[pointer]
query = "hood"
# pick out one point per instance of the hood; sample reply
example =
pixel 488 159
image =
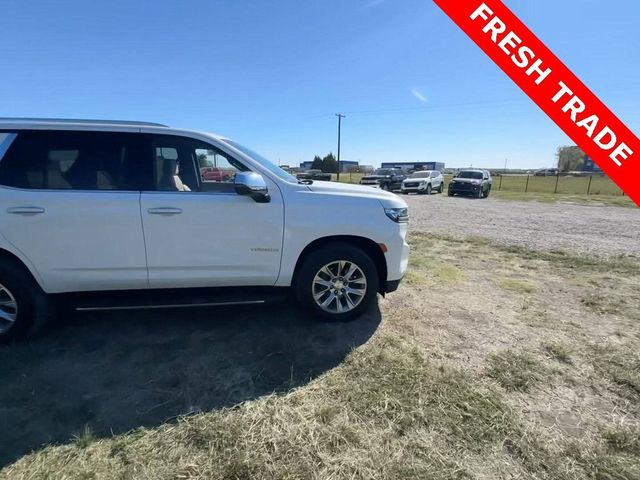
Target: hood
pixel 388 199
pixel 416 180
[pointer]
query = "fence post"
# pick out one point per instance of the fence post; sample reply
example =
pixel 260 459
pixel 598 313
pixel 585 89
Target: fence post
pixel 555 190
pixel 526 186
pixel 500 186
pixel 350 180
pixel 589 186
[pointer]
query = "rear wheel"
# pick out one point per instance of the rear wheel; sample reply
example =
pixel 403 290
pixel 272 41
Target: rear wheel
pixel 337 282
pixel 23 305
pixel 441 189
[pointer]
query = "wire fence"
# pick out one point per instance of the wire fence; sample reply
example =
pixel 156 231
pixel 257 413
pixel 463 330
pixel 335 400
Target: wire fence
pixel 561 184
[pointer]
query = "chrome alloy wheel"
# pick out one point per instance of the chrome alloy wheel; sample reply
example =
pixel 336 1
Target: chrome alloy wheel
pixel 8 309
pixel 339 286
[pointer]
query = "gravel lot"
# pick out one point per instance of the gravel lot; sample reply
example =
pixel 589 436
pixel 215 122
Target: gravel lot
pixel 596 230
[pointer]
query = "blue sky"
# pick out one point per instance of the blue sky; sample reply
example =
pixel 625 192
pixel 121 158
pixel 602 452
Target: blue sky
pixel 272 74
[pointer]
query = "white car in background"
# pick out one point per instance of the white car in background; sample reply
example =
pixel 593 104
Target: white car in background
pixel 106 215
pixel 423 182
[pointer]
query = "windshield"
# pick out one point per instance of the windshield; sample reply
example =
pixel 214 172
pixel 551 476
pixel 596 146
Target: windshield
pixel 265 162
pixel 474 175
pixel 420 174
pixel 384 171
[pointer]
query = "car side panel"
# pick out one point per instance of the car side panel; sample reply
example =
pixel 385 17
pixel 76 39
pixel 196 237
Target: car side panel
pixel 81 240
pixel 335 216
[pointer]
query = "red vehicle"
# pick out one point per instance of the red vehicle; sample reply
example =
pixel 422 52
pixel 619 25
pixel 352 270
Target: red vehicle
pixel 215 174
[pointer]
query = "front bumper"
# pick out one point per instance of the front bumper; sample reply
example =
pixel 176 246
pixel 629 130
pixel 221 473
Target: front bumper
pixel 411 188
pixel 397 257
pixel 465 189
pixel 392 285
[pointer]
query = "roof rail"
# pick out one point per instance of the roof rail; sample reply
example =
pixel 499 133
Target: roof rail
pixel 64 121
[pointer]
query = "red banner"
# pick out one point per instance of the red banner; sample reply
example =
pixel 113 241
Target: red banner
pixel 552 86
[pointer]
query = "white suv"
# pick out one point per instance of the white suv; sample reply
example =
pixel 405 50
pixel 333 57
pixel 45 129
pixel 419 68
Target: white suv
pixel 116 215
pixel 423 181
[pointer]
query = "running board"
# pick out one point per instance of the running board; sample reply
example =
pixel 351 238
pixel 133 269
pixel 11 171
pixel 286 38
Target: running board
pixel 155 307
pixel 170 298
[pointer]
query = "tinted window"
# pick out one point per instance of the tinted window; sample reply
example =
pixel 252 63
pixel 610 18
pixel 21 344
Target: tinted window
pixel 186 165
pixel 67 160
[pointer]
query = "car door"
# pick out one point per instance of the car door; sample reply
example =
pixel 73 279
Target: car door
pixel 71 205
pixel 198 231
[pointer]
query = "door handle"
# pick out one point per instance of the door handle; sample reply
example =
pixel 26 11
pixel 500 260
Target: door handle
pixel 165 211
pixel 25 210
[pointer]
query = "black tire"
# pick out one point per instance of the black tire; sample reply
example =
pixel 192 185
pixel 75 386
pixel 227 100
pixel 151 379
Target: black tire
pixel 441 188
pixel 486 195
pixel 428 191
pixel 32 307
pixel 450 193
pixel 480 193
pixel 385 186
pixel 324 255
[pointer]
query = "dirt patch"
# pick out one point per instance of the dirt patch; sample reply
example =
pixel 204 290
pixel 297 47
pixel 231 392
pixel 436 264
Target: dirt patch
pixel 521 320
pixel 595 230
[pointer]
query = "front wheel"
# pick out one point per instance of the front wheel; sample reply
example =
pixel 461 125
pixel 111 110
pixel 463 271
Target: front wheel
pixel 337 282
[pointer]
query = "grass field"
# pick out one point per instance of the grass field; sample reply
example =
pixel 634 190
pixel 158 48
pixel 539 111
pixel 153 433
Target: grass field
pixel 600 185
pixel 490 362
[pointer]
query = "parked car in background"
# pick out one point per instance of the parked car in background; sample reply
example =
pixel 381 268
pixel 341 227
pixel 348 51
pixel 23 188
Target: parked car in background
pixel 386 178
pixel 475 183
pixel 546 172
pixel 425 181
pixel 104 215
pixel 314 175
pixel 215 174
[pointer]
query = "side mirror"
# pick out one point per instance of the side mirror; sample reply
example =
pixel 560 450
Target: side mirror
pixel 253 185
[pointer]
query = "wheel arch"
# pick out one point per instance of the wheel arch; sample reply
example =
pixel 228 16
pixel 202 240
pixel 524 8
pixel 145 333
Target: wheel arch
pixel 10 257
pixel 371 248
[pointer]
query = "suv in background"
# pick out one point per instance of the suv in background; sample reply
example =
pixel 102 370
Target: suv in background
pixel 475 183
pixel 423 182
pixel 386 178
pixel 314 175
pixel 104 215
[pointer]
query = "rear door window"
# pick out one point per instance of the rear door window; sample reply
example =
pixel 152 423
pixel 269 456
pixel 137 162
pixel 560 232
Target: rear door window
pixel 73 160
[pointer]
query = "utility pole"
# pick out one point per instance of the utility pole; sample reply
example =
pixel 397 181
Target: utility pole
pixel 340 117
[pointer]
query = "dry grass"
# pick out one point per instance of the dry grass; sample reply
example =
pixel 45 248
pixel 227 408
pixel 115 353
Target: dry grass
pixel 514 370
pixel 463 379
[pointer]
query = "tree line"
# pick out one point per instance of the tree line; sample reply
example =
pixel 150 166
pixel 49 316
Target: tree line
pixel 570 158
pixel 328 164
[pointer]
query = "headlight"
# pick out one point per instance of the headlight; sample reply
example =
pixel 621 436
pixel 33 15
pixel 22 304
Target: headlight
pixel 398 215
